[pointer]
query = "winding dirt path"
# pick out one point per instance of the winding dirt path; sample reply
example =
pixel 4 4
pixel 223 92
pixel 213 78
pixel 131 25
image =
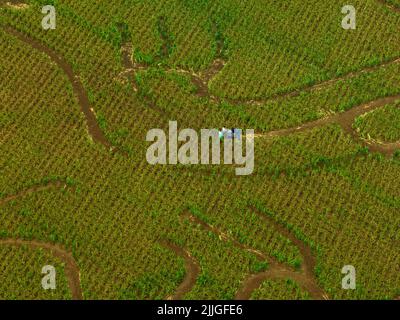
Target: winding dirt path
pixel 318 86
pixel 192 271
pixel 276 270
pixel 345 120
pixel 91 121
pixel 71 268
pixel 307 277
pixel 201 81
pixel 51 185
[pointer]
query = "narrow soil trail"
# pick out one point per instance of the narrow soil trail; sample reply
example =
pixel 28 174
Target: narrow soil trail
pixel 192 271
pixel 345 120
pixel 389 6
pixel 51 185
pixel 307 279
pixel 201 80
pixel 317 86
pixel 71 268
pixel 131 68
pixel 276 270
pixel 91 121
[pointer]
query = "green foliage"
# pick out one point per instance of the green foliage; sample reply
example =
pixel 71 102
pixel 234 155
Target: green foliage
pixel 330 191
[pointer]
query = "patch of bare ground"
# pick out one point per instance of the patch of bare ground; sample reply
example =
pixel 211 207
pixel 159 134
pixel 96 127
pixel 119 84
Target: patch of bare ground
pixel 192 271
pixel 305 277
pixel 71 268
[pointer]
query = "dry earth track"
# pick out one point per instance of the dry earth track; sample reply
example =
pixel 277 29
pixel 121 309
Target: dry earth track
pixel 345 119
pixel 276 270
pixel 71 268
pixel 192 271
pixel 93 127
pixel 50 185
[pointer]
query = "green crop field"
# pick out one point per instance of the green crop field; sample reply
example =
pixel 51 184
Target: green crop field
pixel 77 190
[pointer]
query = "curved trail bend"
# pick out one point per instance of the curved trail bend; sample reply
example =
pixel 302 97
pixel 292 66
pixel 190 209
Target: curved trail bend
pixel 201 81
pixel 276 270
pixel 345 120
pixel 192 271
pixel 305 278
pixel 317 86
pixel 71 268
pixel 79 91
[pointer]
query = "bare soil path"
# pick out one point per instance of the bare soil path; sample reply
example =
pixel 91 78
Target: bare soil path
pixel 91 121
pixel 317 86
pixel 53 184
pixel 390 6
pixel 306 277
pixel 192 271
pixel 345 120
pixel 276 270
pixel 71 268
